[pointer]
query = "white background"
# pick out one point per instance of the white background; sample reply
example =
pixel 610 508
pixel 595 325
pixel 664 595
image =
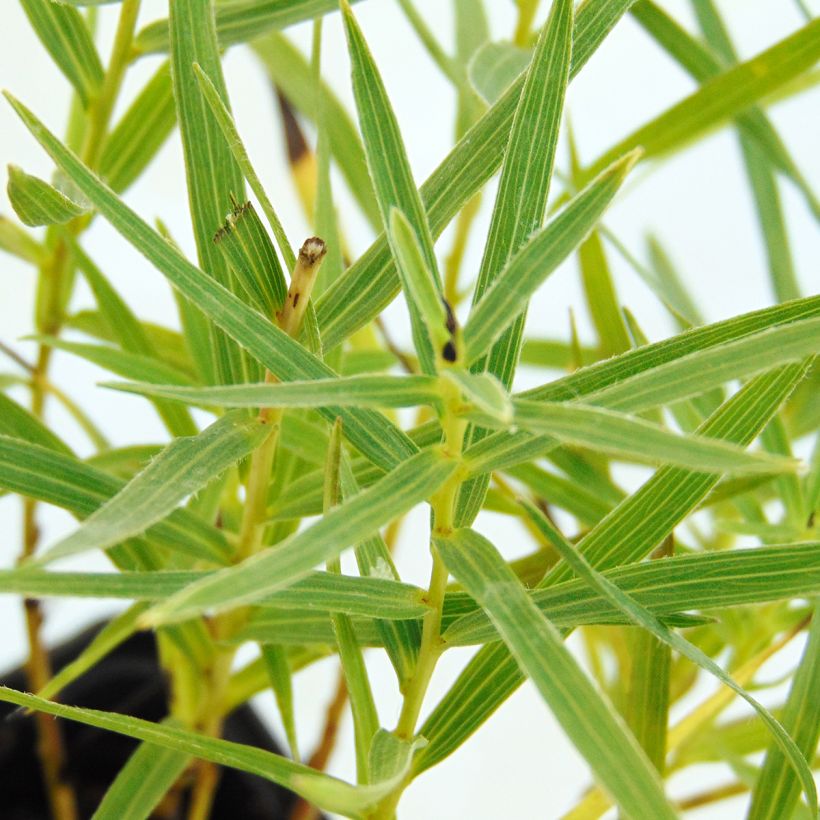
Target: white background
pixel 519 764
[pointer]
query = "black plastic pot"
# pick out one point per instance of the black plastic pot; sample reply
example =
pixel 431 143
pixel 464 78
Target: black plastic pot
pixel 128 681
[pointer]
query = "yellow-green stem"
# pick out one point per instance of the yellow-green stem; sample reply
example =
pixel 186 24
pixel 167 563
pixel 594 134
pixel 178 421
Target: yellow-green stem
pixel 443 503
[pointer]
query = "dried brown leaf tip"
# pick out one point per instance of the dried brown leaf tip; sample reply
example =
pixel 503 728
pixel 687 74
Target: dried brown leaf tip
pixel 312 251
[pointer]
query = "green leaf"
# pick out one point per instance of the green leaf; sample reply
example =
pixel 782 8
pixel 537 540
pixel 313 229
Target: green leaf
pixel 759 169
pixel 17 422
pixel 589 721
pixel 393 180
pixel 250 254
pixel 372 597
pixel 212 174
pixel 275 280
pixel 141 131
pixel 509 293
pixel 644 619
pixel 700 581
pixel 118 629
pixel 702 64
pixel 38 203
pixel 186 465
pixel 121 362
pixel 323 790
pixel 399 491
pixel 242 20
pixel 776 791
pixel 721 98
pixel 132 336
pixel 62 480
pixel 504 449
pixel 623 436
pixel 351 391
pixel 496 66
pixel 170 342
pixel 276 663
pixel 422 290
pixel 362 705
pixel 371 283
pixel 65 35
pixel 18 242
pixel 698 372
pixel 370 432
pixel 525 180
pixel 141 783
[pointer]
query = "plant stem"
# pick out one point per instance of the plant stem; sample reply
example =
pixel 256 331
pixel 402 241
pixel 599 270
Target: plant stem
pixel 443 503
pixel 252 527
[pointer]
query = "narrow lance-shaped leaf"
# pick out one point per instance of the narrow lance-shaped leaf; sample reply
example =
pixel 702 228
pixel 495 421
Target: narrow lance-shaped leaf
pixel 17 422
pixel 351 391
pixel 591 723
pixel 211 172
pixel 371 597
pixel 183 467
pixel 511 290
pixel 276 664
pixel 759 169
pixel 702 64
pixel 399 491
pixel 65 481
pixel 141 131
pixel 436 328
pixel 362 705
pixel 65 35
pixel 390 171
pixel 700 581
pixel 646 620
pixel 370 432
pixel 242 20
pixel 38 203
pixel 141 783
pixel 777 789
pixel 121 362
pixel 325 791
pixel 722 97
pixel 620 435
pixel 519 209
pixel 505 449
pixel 526 172
pixel 234 143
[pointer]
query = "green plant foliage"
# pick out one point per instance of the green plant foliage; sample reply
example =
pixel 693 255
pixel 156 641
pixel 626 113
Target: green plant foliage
pixel 298 426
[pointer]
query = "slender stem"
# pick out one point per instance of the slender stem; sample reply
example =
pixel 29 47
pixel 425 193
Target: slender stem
pixel 431 647
pixel 526 15
pixel 103 105
pixel 252 527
